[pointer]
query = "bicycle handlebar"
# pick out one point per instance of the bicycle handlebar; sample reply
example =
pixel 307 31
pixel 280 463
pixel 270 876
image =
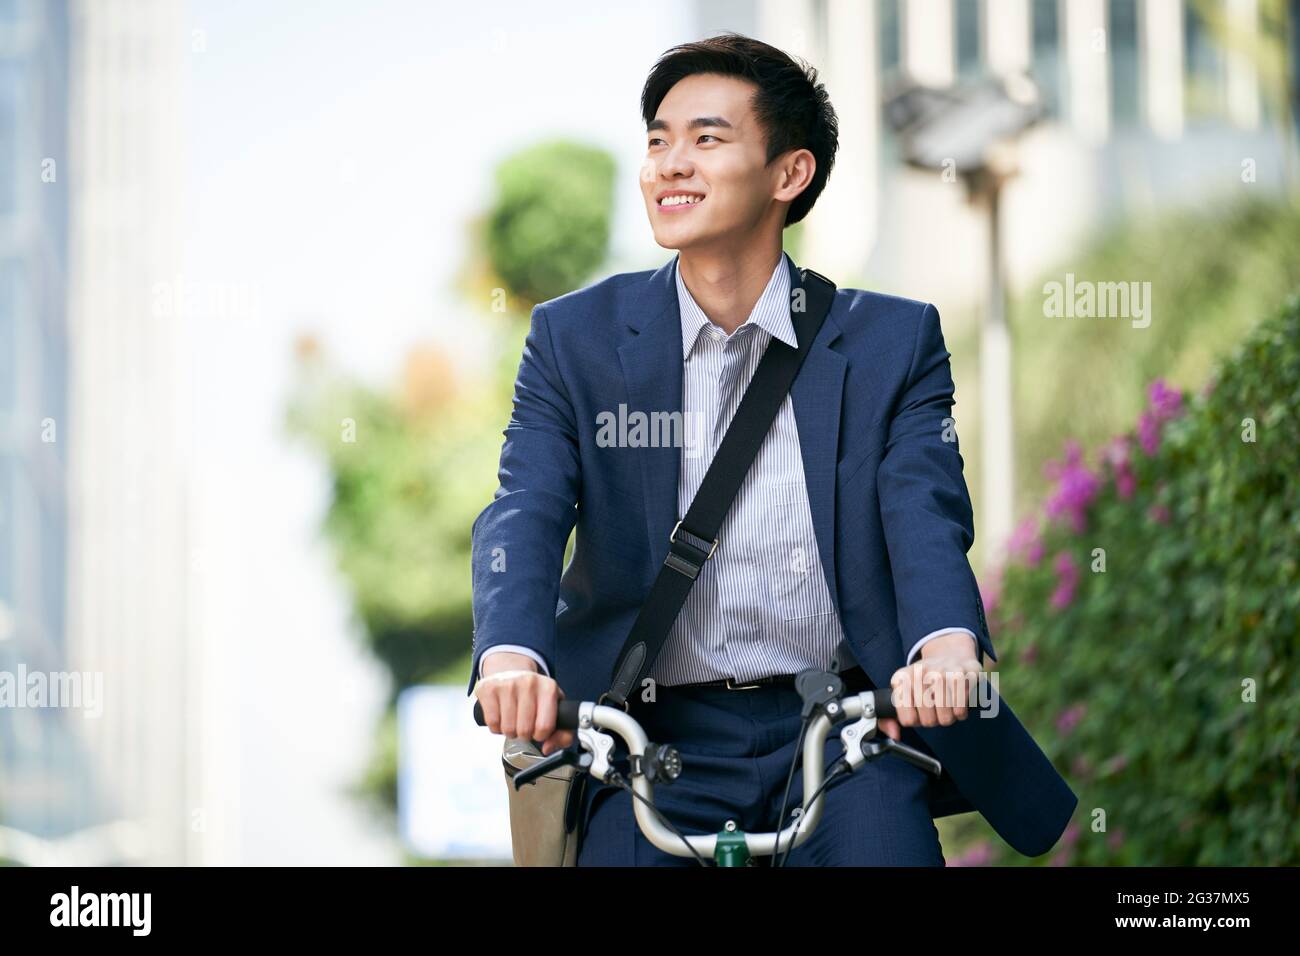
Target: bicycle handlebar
pixel 588 719
pixel 566 717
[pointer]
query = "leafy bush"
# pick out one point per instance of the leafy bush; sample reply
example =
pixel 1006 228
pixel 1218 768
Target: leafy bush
pixel 1151 619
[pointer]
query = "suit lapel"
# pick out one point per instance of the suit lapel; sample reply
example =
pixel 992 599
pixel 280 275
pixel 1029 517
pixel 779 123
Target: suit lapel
pixel 653 371
pixel 817 394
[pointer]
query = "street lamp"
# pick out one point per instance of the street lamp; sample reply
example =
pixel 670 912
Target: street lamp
pixel 970 131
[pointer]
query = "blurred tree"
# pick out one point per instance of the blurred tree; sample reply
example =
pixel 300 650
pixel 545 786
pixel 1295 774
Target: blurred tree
pixel 407 468
pixel 549 225
pixel 413 466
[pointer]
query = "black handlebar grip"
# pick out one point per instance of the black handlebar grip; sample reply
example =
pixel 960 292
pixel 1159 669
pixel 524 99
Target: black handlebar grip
pixel 884 702
pixel 566 717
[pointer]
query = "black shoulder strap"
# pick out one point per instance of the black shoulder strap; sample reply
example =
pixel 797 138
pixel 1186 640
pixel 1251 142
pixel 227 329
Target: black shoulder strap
pixel 694 538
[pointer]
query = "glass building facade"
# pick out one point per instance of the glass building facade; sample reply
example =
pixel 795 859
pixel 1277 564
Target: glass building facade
pixel 44 776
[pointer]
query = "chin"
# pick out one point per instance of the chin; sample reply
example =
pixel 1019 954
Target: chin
pixel 677 241
pixel 668 241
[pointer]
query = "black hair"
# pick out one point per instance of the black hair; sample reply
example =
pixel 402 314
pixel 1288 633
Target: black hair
pixel 792 108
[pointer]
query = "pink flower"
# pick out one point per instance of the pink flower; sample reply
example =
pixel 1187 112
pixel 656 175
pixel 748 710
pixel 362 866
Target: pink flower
pixel 991 592
pixel 1115 840
pixel 1069 719
pixel 1166 402
pixel 1030 654
pixel 1125 484
pixel 1067 577
pixel 1025 542
pixel 1158 512
pixel 981 854
pixel 1118 455
pixel 1071 835
pixel 1148 433
pixel 1163 403
pixel 1116 763
pixel 1073 456
pixel 1075 488
pixel 1081 766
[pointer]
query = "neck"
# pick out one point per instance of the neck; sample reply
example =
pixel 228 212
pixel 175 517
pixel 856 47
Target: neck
pixel 727 285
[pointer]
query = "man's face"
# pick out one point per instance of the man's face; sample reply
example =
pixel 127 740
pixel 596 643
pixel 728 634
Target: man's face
pixel 705 142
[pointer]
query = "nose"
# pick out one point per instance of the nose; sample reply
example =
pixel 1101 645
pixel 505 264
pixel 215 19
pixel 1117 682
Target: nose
pixel 674 162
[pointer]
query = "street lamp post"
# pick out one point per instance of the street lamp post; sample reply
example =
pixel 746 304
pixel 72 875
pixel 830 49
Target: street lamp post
pixel 972 129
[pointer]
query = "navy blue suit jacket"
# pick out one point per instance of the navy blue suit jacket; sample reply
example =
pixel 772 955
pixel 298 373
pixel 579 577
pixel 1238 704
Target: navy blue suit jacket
pixel 891 512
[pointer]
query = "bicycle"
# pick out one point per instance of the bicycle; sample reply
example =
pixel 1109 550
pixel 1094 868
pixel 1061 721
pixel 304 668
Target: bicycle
pixel 824 705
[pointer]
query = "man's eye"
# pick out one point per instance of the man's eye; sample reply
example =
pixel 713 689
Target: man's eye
pixel 708 135
pixel 655 139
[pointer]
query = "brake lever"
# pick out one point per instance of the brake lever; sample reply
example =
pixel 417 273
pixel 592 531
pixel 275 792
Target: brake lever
pixel 873 749
pixel 566 756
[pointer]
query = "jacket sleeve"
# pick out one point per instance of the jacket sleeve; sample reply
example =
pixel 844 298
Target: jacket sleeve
pixel 518 540
pixel 925 506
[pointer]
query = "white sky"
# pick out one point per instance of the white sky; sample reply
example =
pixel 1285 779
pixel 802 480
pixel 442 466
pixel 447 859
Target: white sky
pixel 335 151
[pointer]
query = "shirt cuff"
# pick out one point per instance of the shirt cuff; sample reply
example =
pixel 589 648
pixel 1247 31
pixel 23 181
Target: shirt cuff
pixel 916 648
pixel 517 649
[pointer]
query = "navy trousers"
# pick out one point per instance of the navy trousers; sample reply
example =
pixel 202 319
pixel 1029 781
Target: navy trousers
pixel 736 747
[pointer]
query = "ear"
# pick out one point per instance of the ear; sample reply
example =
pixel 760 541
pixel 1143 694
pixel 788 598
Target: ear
pixel 793 172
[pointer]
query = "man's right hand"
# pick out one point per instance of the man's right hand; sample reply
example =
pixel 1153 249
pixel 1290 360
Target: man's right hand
pixel 519 702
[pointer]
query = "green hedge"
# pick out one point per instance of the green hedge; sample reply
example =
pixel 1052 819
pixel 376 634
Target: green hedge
pixel 1215 270
pixel 1165 686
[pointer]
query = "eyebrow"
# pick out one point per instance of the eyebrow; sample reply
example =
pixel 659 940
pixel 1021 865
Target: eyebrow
pixel 697 123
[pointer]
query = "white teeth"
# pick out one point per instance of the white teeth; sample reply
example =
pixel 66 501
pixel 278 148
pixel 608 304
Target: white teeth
pixel 679 200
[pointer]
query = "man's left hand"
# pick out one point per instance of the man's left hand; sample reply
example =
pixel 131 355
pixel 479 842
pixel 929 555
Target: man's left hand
pixel 935 689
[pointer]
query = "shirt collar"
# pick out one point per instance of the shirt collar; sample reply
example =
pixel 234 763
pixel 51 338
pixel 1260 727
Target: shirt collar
pixel 771 312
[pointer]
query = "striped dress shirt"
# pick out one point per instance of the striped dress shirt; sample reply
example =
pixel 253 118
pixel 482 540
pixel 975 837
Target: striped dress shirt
pixel 760 606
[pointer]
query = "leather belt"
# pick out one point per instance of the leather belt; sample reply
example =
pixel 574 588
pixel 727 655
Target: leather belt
pixel 855 679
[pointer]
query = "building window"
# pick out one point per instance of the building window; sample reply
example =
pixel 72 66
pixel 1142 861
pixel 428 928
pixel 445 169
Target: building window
pixel 1203 64
pixel 888 33
pixel 1047 59
pixel 8 545
pixel 8 343
pixel 967 40
pixel 1122 47
pixel 9 99
pixel 889 26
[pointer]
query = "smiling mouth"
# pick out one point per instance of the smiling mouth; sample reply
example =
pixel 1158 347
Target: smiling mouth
pixel 680 201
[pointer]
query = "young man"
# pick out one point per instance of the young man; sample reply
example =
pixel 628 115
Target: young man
pixel 845 547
